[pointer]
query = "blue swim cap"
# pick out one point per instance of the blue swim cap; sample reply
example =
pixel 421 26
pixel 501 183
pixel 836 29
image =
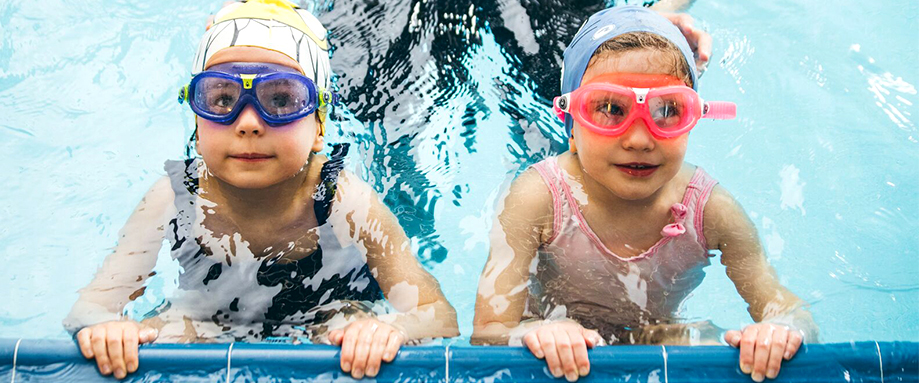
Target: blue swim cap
pixel 607 24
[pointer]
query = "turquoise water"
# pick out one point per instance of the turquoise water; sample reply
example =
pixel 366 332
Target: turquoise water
pixel 446 105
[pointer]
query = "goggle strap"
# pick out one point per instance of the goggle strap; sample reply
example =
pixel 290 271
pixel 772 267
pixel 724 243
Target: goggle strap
pixel 719 110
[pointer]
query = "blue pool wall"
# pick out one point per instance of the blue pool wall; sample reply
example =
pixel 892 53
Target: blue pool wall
pixel 36 360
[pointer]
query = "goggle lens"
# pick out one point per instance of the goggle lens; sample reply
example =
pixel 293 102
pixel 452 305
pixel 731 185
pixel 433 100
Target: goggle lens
pixel 605 108
pixel 282 97
pixel 216 95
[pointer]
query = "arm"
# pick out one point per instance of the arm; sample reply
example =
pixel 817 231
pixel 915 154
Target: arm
pixel 523 225
pixel 423 309
pixel 97 314
pixel 524 221
pixel 782 320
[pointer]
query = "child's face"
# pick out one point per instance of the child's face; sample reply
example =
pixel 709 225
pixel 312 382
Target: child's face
pixel 249 153
pixel 611 160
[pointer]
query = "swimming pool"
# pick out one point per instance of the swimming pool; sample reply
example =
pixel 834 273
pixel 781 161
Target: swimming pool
pixel 446 101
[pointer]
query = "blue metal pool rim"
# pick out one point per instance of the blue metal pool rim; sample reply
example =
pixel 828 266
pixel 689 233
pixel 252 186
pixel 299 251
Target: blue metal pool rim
pixel 60 361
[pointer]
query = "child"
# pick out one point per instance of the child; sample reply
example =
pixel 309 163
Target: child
pixel 273 239
pixel 603 243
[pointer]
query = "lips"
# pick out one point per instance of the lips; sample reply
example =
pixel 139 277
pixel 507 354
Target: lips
pixel 251 157
pixel 637 169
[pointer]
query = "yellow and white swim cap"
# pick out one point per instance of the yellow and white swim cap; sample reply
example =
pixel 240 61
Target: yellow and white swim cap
pixel 278 25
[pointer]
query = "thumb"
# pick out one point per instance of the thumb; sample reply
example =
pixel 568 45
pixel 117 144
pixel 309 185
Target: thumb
pixel 335 336
pixel 733 337
pixel 592 338
pixel 147 335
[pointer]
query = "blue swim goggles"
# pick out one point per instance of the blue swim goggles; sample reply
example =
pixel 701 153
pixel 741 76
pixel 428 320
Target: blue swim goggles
pixel 280 94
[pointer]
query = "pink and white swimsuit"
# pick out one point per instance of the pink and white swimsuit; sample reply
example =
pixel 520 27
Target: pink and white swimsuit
pixel 600 290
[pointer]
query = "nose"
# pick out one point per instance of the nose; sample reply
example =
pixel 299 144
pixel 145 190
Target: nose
pixel 638 137
pixel 249 123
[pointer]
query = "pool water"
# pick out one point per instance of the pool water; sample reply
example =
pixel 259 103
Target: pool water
pixel 446 101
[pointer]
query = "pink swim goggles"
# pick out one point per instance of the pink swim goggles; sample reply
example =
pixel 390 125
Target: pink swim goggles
pixel 610 103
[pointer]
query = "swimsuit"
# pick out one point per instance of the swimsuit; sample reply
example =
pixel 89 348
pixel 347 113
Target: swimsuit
pixel 582 279
pixel 232 293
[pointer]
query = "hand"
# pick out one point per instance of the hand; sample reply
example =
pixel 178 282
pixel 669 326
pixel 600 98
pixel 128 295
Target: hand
pixel 114 345
pixel 364 344
pixel 763 346
pixel 699 40
pixel 564 346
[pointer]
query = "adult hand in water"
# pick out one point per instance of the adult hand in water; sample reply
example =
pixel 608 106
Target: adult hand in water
pixel 364 344
pixel 114 345
pixel 763 346
pixel 699 40
pixel 564 346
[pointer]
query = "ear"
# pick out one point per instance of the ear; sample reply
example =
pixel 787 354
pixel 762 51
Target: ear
pixel 197 147
pixel 319 142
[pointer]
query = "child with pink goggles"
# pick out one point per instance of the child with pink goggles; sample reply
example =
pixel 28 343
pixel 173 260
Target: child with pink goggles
pixel 610 103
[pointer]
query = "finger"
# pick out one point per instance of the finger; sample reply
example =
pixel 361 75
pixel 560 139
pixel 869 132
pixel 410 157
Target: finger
pixel 779 341
pixel 99 349
pixel 115 343
pixel 532 342
pixel 378 345
pixel 547 343
pixel 761 355
pixel 579 350
pixel 349 336
pixel 84 338
pixel 747 346
pixel 131 342
pixel 795 338
pixel 566 355
pixel 392 346
pixel 147 334
pixel 703 47
pixel 733 338
pixel 362 350
pixel 336 336
pixel 592 338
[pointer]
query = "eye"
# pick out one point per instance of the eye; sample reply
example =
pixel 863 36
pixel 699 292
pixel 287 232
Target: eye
pixel 667 110
pixel 610 108
pixel 221 100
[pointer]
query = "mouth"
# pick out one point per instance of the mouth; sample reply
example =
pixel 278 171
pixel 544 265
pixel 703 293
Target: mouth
pixel 251 157
pixel 637 169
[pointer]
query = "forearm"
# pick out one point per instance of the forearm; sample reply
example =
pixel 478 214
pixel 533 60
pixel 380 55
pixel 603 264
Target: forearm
pixel 797 318
pixel 433 320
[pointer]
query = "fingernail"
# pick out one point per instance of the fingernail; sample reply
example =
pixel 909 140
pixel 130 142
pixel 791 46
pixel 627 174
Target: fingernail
pixel 105 369
pixel 539 354
pixel 771 374
pixel 757 377
pixel 584 371
pixel 371 372
pixel 571 376
pixel 787 355
pixel 358 373
pixel 557 373
pixel 387 356
pixel 132 367
pixel 346 367
pixel 746 368
pixel 119 373
pixel 735 339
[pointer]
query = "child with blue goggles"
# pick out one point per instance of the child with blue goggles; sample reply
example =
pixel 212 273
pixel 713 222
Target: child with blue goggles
pixel 274 241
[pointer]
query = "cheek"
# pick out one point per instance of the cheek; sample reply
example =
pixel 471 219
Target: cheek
pixel 675 148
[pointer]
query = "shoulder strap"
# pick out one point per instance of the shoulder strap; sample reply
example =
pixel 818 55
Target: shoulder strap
pixel 548 170
pixel 696 196
pixel 328 181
